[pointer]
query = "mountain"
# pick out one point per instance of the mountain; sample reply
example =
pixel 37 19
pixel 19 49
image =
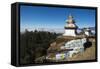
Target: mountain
pixel 92 28
pixel 57 30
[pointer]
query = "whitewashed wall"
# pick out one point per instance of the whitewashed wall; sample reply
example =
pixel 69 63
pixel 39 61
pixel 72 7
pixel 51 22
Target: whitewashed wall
pixel 69 32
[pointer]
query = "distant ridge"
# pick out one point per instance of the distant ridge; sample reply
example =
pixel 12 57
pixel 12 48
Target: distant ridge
pixel 56 30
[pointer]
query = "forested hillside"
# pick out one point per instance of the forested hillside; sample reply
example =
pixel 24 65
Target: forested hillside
pixel 34 45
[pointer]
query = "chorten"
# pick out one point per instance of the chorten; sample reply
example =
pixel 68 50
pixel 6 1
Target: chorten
pixel 70 27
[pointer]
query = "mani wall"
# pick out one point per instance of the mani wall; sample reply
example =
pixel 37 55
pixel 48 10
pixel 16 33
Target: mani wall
pixel 77 46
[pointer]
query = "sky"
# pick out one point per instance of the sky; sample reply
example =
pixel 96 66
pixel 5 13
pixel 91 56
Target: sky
pixel 33 17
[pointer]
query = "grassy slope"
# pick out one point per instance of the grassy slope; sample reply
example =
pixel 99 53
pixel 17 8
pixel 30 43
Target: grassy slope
pixel 89 54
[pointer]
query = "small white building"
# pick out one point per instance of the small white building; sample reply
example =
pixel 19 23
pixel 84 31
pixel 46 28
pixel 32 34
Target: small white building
pixel 70 27
pixel 87 32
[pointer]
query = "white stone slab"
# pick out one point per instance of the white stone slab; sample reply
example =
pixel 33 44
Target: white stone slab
pixel 61 56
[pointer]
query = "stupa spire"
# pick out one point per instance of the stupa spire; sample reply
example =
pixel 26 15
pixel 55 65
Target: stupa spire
pixel 70 19
pixel 70 22
pixel 70 16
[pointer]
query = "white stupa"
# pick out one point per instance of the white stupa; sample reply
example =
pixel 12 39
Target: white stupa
pixel 70 27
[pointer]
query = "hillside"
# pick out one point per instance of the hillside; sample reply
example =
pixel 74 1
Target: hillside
pixel 88 54
pixel 55 47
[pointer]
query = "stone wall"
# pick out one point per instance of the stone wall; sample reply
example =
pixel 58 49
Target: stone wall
pixel 77 46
